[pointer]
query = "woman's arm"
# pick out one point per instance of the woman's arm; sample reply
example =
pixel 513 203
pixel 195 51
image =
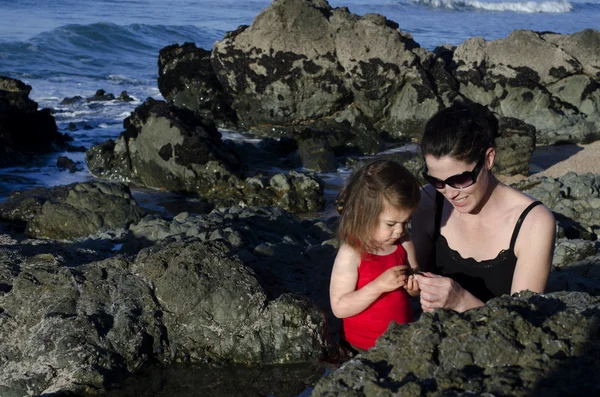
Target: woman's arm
pixel 345 299
pixel 534 250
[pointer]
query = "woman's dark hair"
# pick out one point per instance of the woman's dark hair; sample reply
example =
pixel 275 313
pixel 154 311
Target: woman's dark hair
pixel 462 131
pixel 365 195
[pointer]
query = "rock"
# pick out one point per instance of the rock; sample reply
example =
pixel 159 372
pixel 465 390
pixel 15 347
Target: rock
pixel 582 46
pixel 568 251
pixel 537 78
pixel 65 163
pixel 66 328
pixel 514 147
pixel 303 61
pixel 186 79
pixel 24 130
pixel 214 307
pixel 71 100
pixel 317 155
pixel 243 229
pixel 71 211
pixel 100 96
pixel 170 148
pixel 581 276
pixel 522 345
pixel 124 97
pixel 95 323
pixel 574 200
pixel 165 148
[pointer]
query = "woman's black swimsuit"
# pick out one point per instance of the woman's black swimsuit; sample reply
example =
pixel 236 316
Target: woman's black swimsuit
pixel 485 279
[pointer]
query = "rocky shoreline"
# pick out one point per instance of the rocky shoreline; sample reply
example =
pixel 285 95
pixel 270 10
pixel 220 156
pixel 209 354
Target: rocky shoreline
pixel 94 290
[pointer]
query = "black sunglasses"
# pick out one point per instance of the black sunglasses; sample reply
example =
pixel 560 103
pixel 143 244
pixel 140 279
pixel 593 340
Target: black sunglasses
pixel 458 181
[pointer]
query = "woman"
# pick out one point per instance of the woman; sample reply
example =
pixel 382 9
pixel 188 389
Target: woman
pixel 476 238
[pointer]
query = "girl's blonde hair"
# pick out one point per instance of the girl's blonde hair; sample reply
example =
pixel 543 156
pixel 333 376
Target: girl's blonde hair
pixel 362 199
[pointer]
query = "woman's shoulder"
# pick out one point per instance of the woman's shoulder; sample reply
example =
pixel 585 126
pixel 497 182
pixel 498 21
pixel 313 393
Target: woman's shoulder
pixel 524 208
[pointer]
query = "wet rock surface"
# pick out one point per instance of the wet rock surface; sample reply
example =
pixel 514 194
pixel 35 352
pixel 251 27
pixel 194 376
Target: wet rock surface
pixel 24 130
pixel 171 149
pixel 71 211
pixel 272 80
pixel 518 346
pixel 95 320
pixel 573 198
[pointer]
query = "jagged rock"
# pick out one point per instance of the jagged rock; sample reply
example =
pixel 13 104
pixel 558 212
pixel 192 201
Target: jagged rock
pixel 250 232
pixel 100 96
pixel 67 328
pixel 166 148
pixel 65 163
pixel 24 130
pixel 514 147
pixel 303 61
pixel 170 148
pixel 568 251
pixel 537 78
pixel 71 211
pixel 124 97
pixel 522 345
pixel 583 46
pixel 93 324
pixel 186 79
pixel 582 276
pixel 574 199
pixel 214 306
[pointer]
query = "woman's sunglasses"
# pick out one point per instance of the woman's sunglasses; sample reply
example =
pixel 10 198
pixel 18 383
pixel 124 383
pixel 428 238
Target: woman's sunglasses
pixel 458 181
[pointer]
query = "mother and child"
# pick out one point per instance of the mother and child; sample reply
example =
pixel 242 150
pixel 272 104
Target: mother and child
pixel 472 237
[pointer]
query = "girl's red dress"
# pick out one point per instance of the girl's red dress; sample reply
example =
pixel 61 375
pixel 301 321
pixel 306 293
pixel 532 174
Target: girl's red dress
pixel 363 329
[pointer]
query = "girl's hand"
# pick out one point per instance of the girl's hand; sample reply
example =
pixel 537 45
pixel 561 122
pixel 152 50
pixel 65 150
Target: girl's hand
pixel 411 285
pixel 393 278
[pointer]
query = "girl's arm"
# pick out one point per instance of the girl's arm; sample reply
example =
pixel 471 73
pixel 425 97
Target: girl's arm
pixel 534 250
pixel 412 286
pixel 346 300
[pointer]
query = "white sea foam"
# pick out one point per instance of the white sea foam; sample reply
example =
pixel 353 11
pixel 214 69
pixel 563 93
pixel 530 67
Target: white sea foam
pixel 519 6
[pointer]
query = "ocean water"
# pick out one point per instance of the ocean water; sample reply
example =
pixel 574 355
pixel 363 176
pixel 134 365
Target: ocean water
pixel 64 48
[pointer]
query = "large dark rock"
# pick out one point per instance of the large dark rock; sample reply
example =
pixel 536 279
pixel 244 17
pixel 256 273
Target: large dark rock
pixel 24 130
pixel 287 255
pixel 214 307
pixel 186 80
pixel 71 326
pixel 302 61
pixel 172 149
pixel 303 64
pixel 71 211
pixel 514 147
pixel 574 199
pixel 522 345
pixel 538 78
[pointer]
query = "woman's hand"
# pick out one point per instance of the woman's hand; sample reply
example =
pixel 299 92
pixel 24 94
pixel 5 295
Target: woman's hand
pixel 445 293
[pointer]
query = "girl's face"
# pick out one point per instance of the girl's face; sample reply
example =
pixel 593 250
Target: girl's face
pixel 392 224
pixel 467 199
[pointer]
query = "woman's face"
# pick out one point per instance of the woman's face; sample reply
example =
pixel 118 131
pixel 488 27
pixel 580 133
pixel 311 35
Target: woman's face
pixel 467 199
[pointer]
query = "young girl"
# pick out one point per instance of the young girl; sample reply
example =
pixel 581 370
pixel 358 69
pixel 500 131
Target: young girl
pixel 373 268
